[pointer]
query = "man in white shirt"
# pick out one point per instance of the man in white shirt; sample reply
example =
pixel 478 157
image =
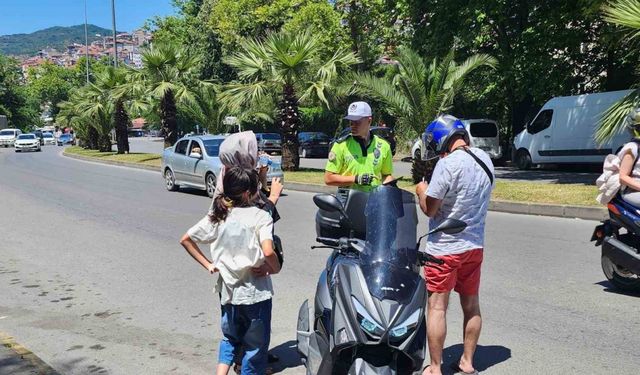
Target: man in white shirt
pixel 460 188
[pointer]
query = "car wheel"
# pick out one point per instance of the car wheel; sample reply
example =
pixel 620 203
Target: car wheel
pixel 170 180
pixel 17 150
pixel 621 278
pixel 523 160
pixel 210 182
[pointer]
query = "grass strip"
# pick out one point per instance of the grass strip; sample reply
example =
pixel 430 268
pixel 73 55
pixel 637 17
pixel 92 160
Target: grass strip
pixel 134 157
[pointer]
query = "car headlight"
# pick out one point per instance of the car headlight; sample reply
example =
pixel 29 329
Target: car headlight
pixel 407 326
pixel 367 323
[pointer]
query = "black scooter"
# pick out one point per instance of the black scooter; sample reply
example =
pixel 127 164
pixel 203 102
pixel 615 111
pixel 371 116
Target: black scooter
pixel 619 237
pixel 368 316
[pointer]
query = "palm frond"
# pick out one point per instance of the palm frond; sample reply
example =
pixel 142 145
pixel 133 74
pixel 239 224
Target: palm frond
pixel 625 13
pixel 612 120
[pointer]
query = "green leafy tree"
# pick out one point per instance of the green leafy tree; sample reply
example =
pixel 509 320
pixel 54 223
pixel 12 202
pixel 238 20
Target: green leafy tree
pixel 624 13
pixel 16 101
pixel 169 77
pixel 567 43
pixel 52 83
pixel 419 90
pixel 284 66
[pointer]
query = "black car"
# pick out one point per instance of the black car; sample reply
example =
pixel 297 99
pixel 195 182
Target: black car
pixel 313 144
pixel 38 134
pixel 271 143
pixel 383 132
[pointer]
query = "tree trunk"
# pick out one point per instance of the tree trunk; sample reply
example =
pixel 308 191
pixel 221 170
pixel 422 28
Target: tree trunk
pixel 168 119
pixel 289 122
pixel 122 122
pixel 92 138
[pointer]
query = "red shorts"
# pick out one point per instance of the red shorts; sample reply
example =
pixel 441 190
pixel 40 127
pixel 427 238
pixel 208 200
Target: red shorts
pixel 460 272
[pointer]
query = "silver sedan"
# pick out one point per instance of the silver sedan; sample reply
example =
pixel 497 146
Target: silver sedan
pixel 181 166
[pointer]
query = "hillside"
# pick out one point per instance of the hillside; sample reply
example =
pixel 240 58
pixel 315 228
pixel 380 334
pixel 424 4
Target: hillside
pixel 57 37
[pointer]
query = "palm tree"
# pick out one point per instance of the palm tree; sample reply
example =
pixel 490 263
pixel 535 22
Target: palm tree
pixel 93 102
pixel 418 91
pixel 70 115
pixel 205 110
pixel 279 68
pixel 169 76
pixel 624 13
pixel 110 81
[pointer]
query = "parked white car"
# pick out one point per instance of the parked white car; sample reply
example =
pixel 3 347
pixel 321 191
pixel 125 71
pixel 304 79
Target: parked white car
pixel 563 132
pixel 49 139
pixel 27 142
pixel 483 134
pixel 8 137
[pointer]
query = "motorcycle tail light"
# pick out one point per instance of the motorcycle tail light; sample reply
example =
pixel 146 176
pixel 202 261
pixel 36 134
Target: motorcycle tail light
pixel 612 207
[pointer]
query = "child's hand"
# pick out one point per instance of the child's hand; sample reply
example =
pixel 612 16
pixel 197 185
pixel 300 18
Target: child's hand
pixel 212 269
pixel 276 188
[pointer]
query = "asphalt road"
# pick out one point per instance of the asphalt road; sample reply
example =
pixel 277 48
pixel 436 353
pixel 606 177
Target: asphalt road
pixel 548 174
pixel 93 280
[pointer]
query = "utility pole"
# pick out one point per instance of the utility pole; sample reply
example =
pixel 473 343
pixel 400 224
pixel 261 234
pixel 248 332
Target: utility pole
pixel 115 43
pixel 86 40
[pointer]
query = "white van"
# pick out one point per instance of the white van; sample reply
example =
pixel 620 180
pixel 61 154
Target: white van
pixel 483 134
pixel 563 132
pixel 8 136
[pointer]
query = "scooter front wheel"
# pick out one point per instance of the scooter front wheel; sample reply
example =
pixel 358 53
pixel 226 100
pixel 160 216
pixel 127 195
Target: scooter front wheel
pixel 620 277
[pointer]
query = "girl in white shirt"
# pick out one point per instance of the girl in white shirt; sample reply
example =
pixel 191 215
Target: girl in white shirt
pixel 241 240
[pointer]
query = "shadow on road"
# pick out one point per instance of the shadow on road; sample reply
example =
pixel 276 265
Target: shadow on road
pixel 485 357
pixel 288 354
pixel 610 288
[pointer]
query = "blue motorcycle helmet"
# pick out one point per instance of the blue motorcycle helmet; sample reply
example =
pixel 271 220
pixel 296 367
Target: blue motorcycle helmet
pixel 438 135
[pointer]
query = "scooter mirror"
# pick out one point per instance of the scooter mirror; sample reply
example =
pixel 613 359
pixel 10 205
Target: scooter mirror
pixel 450 226
pixel 329 203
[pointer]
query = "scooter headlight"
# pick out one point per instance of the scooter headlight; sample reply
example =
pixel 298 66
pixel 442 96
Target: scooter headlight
pixel 403 329
pixel 367 323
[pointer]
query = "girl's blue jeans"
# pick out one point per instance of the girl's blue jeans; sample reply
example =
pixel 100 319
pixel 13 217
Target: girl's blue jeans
pixel 246 327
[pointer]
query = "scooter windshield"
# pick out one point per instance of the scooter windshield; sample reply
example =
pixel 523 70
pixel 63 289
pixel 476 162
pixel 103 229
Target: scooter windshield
pixel 389 259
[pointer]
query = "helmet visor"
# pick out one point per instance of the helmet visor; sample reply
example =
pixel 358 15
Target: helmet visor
pixel 429 147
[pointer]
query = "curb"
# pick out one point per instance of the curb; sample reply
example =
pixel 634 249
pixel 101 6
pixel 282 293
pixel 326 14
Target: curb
pixel 524 208
pixel 112 162
pixel 25 354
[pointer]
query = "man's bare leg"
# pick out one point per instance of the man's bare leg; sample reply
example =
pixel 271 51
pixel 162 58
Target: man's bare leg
pixel 436 330
pixel 471 327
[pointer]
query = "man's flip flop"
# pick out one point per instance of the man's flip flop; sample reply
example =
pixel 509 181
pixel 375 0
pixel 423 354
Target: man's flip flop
pixel 458 371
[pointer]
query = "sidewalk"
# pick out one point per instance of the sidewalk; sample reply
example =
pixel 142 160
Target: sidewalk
pixel 18 360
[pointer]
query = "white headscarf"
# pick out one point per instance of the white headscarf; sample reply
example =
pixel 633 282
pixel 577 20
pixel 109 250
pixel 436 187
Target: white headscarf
pixel 237 150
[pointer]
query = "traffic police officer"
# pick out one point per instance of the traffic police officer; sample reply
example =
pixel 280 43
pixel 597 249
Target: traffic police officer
pixel 359 160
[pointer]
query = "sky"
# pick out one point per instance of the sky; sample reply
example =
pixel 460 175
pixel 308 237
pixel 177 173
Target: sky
pixel 26 16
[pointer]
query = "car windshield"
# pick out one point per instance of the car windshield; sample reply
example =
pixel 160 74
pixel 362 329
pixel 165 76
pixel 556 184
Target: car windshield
pixel 320 137
pixel 47 135
pixel 65 136
pixel 271 136
pixel 7 132
pixel 27 136
pixel 212 146
pixel 390 256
